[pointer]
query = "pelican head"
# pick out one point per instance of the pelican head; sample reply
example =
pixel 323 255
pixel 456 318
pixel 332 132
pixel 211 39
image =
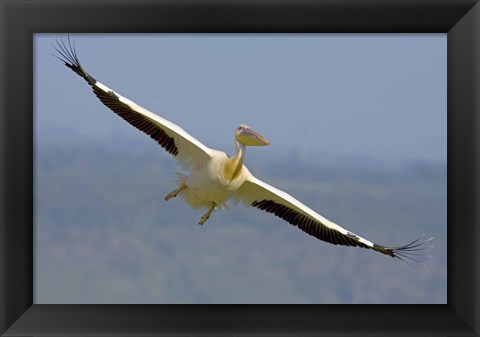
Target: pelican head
pixel 248 137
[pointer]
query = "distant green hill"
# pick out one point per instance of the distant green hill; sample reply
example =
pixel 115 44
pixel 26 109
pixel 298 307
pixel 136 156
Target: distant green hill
pixel 104 234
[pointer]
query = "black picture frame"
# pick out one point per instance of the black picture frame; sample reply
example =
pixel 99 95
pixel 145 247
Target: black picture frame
pixel 460 19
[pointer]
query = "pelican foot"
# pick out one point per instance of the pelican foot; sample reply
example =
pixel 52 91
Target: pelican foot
pixel 206 216
pixel 174 193
pixel 170 195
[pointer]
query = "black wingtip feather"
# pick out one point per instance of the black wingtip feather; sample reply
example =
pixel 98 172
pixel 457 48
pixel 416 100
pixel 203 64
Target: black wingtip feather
pixel 408 252
pixel 68 55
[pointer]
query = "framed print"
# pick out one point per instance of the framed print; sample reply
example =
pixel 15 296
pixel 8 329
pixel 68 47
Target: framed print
pixel 41 180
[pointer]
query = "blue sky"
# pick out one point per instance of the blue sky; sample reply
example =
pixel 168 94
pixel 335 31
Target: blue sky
pixel 376 100
pixel 374 95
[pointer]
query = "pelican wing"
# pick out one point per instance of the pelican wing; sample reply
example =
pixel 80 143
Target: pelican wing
pixel 261 195
pixel 171 137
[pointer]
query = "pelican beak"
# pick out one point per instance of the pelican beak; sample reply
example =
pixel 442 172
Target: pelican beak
pixel 249 137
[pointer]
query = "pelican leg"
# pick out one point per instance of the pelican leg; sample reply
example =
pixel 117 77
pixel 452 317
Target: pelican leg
pixel 174 193
pixel 206 216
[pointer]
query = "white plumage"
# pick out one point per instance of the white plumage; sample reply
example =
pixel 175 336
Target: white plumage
pixel 214 178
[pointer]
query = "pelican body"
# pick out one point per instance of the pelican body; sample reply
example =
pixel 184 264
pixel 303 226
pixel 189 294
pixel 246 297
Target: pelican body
pixel 214 178
pixel 213 182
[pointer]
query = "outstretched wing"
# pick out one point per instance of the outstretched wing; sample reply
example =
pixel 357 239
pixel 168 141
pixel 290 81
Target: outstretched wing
pixel 261 195
pixel 188 150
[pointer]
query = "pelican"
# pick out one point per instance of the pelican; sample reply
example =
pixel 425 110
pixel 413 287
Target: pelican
pixel 214 178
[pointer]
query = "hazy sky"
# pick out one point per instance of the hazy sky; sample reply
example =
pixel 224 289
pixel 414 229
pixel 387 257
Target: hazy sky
pixel 375 95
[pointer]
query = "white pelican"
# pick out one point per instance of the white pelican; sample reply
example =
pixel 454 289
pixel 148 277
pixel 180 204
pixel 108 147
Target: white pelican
pixel 215 178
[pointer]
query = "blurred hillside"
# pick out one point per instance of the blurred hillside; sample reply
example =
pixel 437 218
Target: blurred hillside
pixel 104 234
